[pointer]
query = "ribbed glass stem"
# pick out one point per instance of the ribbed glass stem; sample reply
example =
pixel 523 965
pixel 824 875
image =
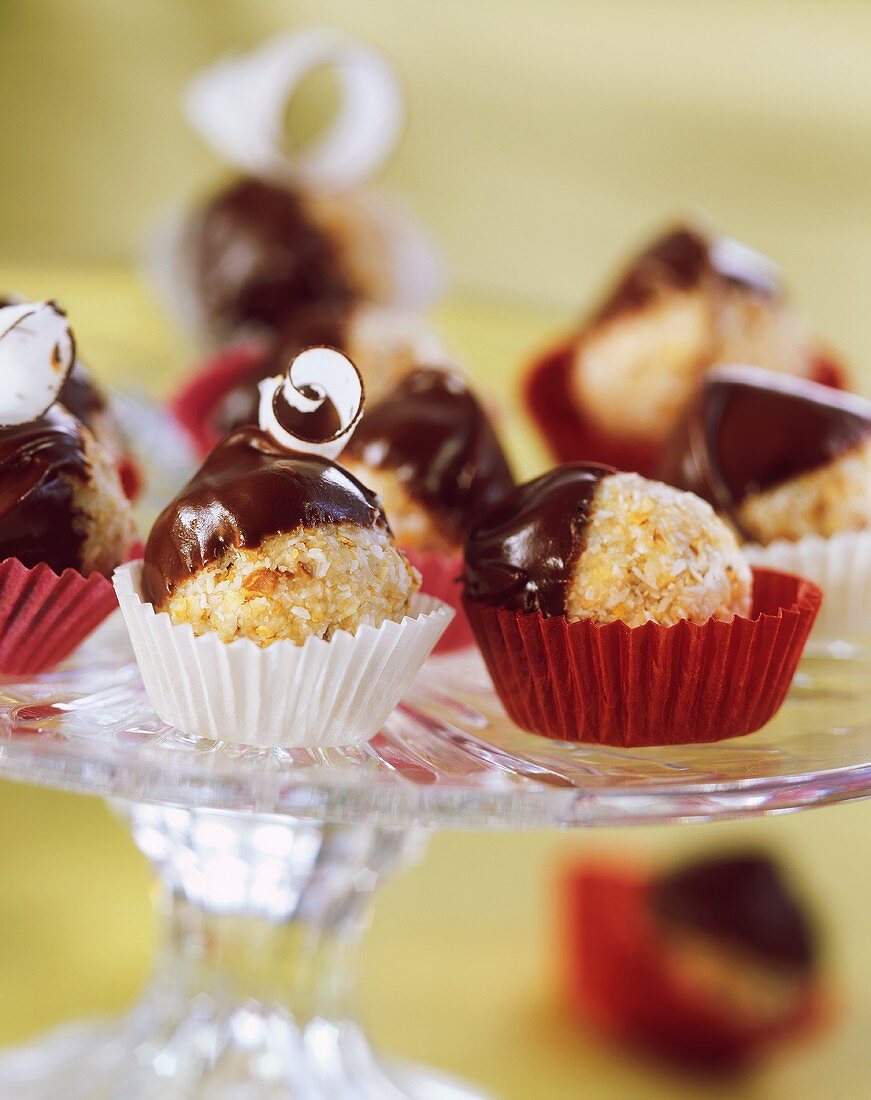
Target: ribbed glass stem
pixel 266 910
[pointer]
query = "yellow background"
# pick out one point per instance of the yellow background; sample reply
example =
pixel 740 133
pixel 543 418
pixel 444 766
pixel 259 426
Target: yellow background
pixel 543 138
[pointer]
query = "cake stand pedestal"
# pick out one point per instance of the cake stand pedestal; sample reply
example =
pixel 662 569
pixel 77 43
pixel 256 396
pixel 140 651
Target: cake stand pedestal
pixel 270 859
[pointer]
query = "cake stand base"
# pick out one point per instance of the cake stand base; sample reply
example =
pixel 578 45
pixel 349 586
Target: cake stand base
pixel 254 995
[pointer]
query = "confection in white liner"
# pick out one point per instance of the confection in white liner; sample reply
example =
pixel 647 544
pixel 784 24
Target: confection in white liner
pixel 321 694
pixel 37 351
pixel 330 374
pixel 841 566
pixel 239 106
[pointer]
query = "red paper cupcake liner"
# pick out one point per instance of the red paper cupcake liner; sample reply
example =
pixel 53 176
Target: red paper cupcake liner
pixel 44 616
pixel 196 402
pixel 619 978
pixel 442 575
pixel 572 436
pixel 649 685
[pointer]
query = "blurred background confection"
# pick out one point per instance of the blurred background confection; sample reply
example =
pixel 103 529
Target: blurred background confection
pixel 545 141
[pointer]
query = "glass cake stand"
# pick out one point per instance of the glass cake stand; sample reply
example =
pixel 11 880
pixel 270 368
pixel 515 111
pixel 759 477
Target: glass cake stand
pixel 270 859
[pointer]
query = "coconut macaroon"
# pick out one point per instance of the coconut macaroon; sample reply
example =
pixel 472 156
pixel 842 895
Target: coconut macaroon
pixel 688 302
pixel 779 458
pixel 270 542
pixel 587 542
pixel 430 451
pixel 733 933
pixel 261 252
pixel 61 499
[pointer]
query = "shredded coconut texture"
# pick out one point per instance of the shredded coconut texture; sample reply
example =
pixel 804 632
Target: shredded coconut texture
pixel 655 554
pixel 308 583
pixel 635 373
pixel 836 497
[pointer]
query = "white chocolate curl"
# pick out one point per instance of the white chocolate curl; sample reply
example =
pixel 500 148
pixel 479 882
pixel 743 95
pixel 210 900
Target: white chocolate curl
pixel 239 105
pixel 330 374
pixel 37 351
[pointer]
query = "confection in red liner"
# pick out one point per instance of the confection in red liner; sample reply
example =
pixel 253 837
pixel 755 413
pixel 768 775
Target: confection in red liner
pixel 611 684
pixel 44 615
pixel 442 577
pixel 196 403
pixel 620 977
pixel 572 436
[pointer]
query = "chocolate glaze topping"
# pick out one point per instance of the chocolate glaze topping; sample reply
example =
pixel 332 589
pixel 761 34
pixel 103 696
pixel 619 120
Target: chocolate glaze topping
pixel 248 489
pixel 40 462
pixel 324 325
pixel 258 256
pixel 683 259
pixel 431 431
pixel 750 430
pixel 81 395
pixel 317 426
pixel 520 554
pixel 742 902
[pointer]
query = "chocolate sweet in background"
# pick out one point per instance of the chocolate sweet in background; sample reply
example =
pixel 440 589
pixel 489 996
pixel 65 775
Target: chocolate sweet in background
pixel 751 437
pixel 432 438
pixel 613 390
pixel 322 325
pixel 738 903
pixel 708 966
pixel 259 256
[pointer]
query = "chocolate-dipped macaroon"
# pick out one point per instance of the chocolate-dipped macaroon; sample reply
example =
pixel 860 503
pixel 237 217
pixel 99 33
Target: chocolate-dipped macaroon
pixel 687 302
pixel 780 458
pixel 430 451
pixel 267 542
pixel 738 907
pixel 61 499
pixel 260 251
pixel 708 964
pixel 586 542
pixel 736 937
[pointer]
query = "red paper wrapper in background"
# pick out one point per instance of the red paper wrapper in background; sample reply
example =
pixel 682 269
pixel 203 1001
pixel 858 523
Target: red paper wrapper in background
pixel 573 437
pixel 619 977
pixel 649 685
pixel 44 616
pixel 441 578
pixel 196 402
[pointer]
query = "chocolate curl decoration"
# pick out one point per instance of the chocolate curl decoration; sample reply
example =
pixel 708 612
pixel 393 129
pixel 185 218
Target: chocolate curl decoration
pixel 37 352
pixel 316 405
pixel 239 105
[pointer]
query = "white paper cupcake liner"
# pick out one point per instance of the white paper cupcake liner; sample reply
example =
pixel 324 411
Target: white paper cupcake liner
pixel 317 695
pixel 841 566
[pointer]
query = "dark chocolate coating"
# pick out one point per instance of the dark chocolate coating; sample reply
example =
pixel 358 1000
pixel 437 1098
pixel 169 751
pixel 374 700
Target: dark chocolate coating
pixel 81 395
pixel 742 902
pixel 521 553
pixel 258 256
pixel 681 260
pixel 248 489
pixel 317 426
pixel 750 430
pixel 324 325
pixel 433 434
pixel 40 462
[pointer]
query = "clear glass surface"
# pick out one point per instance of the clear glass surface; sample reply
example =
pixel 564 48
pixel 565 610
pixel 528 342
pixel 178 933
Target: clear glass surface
pixel 254 991
pixel 448 756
